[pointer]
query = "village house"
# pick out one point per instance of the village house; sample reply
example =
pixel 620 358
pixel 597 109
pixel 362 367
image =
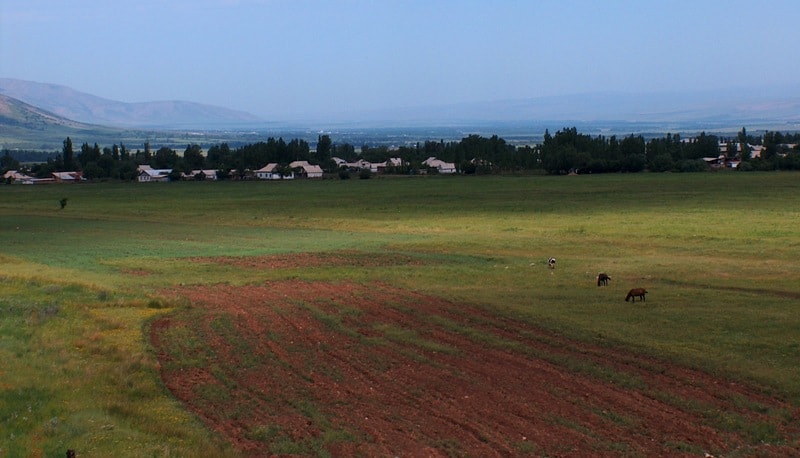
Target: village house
pixel 721 161
pixel 374 167
pixel 206 175
pixel 440 166
pixel 306 170
pixel 67 177
pixel 391 162
pixel 271 171
pixel 17 177
pixel 146 174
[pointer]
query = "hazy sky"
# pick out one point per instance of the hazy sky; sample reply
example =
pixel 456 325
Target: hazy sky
pixel 282 58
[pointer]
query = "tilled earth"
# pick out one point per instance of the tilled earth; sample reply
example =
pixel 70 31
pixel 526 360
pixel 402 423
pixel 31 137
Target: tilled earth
pixel 309 368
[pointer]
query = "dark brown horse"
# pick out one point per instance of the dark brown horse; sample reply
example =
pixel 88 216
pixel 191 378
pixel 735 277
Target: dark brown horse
pixel 602 279
pixel 634 293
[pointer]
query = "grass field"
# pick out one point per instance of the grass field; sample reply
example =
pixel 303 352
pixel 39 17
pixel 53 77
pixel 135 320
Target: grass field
pixel 718 252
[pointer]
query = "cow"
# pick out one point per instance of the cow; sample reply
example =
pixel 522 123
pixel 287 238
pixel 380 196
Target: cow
pixel 602 279
pixel 551 262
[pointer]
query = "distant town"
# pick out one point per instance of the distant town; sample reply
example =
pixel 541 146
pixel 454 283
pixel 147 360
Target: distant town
pixel 567 151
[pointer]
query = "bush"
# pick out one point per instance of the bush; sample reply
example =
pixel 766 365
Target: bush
pixel 365 174
pixel 344 174
pixel 661 163
pixel 693 165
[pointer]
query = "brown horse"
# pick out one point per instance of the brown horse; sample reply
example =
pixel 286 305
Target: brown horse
pixel 602 279
pixel 634 293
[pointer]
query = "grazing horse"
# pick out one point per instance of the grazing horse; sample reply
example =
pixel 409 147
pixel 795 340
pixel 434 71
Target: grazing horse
pixel 634 293
pixel 551 262
pixel 602 279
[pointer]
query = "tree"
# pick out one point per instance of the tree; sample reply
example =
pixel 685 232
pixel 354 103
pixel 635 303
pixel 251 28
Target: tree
pixel 632 149
pixel 219 156
pixel 744 147
pixel 193 158
pixel 298 150
pixel 345 151
pixel 148 156
pixel 771 142
pixel 706 146
pixel 88 154
pixel 165 158
pixel 67 154
pixel 8 163
pixel 323 151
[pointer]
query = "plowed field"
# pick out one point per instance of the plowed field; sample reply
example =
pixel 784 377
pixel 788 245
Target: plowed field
pixel 295 367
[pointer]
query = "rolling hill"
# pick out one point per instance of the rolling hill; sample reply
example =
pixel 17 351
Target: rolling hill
pixel 87 108
pixel 26 127
pixel 29 128
pixel 38 116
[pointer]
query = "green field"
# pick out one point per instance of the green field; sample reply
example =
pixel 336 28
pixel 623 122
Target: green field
pixel 719 253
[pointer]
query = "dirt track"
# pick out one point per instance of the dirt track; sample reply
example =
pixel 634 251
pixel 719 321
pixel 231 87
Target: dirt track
pixel 294 367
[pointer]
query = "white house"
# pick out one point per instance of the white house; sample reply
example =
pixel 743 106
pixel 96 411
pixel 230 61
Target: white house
pixel 374 167
pixel 17 177
pixel 307 170
pixel 391 162
pixel 210 175
pixel 439 165
pixel 270 172
pixel 147 174
pixel 68 177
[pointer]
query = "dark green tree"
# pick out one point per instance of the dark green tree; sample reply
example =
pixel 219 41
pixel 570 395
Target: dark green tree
pixel 67 155
pixel 165 158
pixel 298 150
pixel 148 155
pixel 219 157
pixel 88 154
pixel 7 162
pixel 344 151
pixel 193 158
pixel 323 151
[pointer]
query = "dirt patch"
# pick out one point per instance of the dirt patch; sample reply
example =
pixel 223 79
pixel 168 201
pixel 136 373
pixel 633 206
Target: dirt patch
pixel 306 260
pixel 301 368
pixel 739 289
pixel 136 272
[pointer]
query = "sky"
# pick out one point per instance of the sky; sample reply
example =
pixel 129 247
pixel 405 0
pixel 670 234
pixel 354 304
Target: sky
pixel 281 59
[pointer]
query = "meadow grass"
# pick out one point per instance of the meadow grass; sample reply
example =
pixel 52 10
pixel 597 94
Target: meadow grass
pixel 719 253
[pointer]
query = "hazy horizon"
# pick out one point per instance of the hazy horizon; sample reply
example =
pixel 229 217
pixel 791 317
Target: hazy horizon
pixel 281 59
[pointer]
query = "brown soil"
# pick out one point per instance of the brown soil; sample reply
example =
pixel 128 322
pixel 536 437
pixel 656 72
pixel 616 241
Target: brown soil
pixel 305 260
pixel 296 367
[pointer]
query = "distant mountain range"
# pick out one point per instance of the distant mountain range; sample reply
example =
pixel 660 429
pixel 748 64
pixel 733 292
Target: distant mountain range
pixel 40 116
pixel 773 106
pixel 71 104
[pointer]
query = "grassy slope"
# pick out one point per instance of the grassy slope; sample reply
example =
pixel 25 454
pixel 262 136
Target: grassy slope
pixel 720 254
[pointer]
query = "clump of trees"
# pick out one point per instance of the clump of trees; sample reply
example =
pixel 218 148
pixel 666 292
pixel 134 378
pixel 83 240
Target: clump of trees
pixel 570 151
pixel 566 151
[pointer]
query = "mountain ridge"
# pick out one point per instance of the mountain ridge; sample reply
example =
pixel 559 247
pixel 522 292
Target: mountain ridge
pixel 91 109
pixel 763 106
pixel 26 125
pixel 659 107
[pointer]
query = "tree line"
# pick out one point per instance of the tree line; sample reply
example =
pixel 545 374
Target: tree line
pixel 566 151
